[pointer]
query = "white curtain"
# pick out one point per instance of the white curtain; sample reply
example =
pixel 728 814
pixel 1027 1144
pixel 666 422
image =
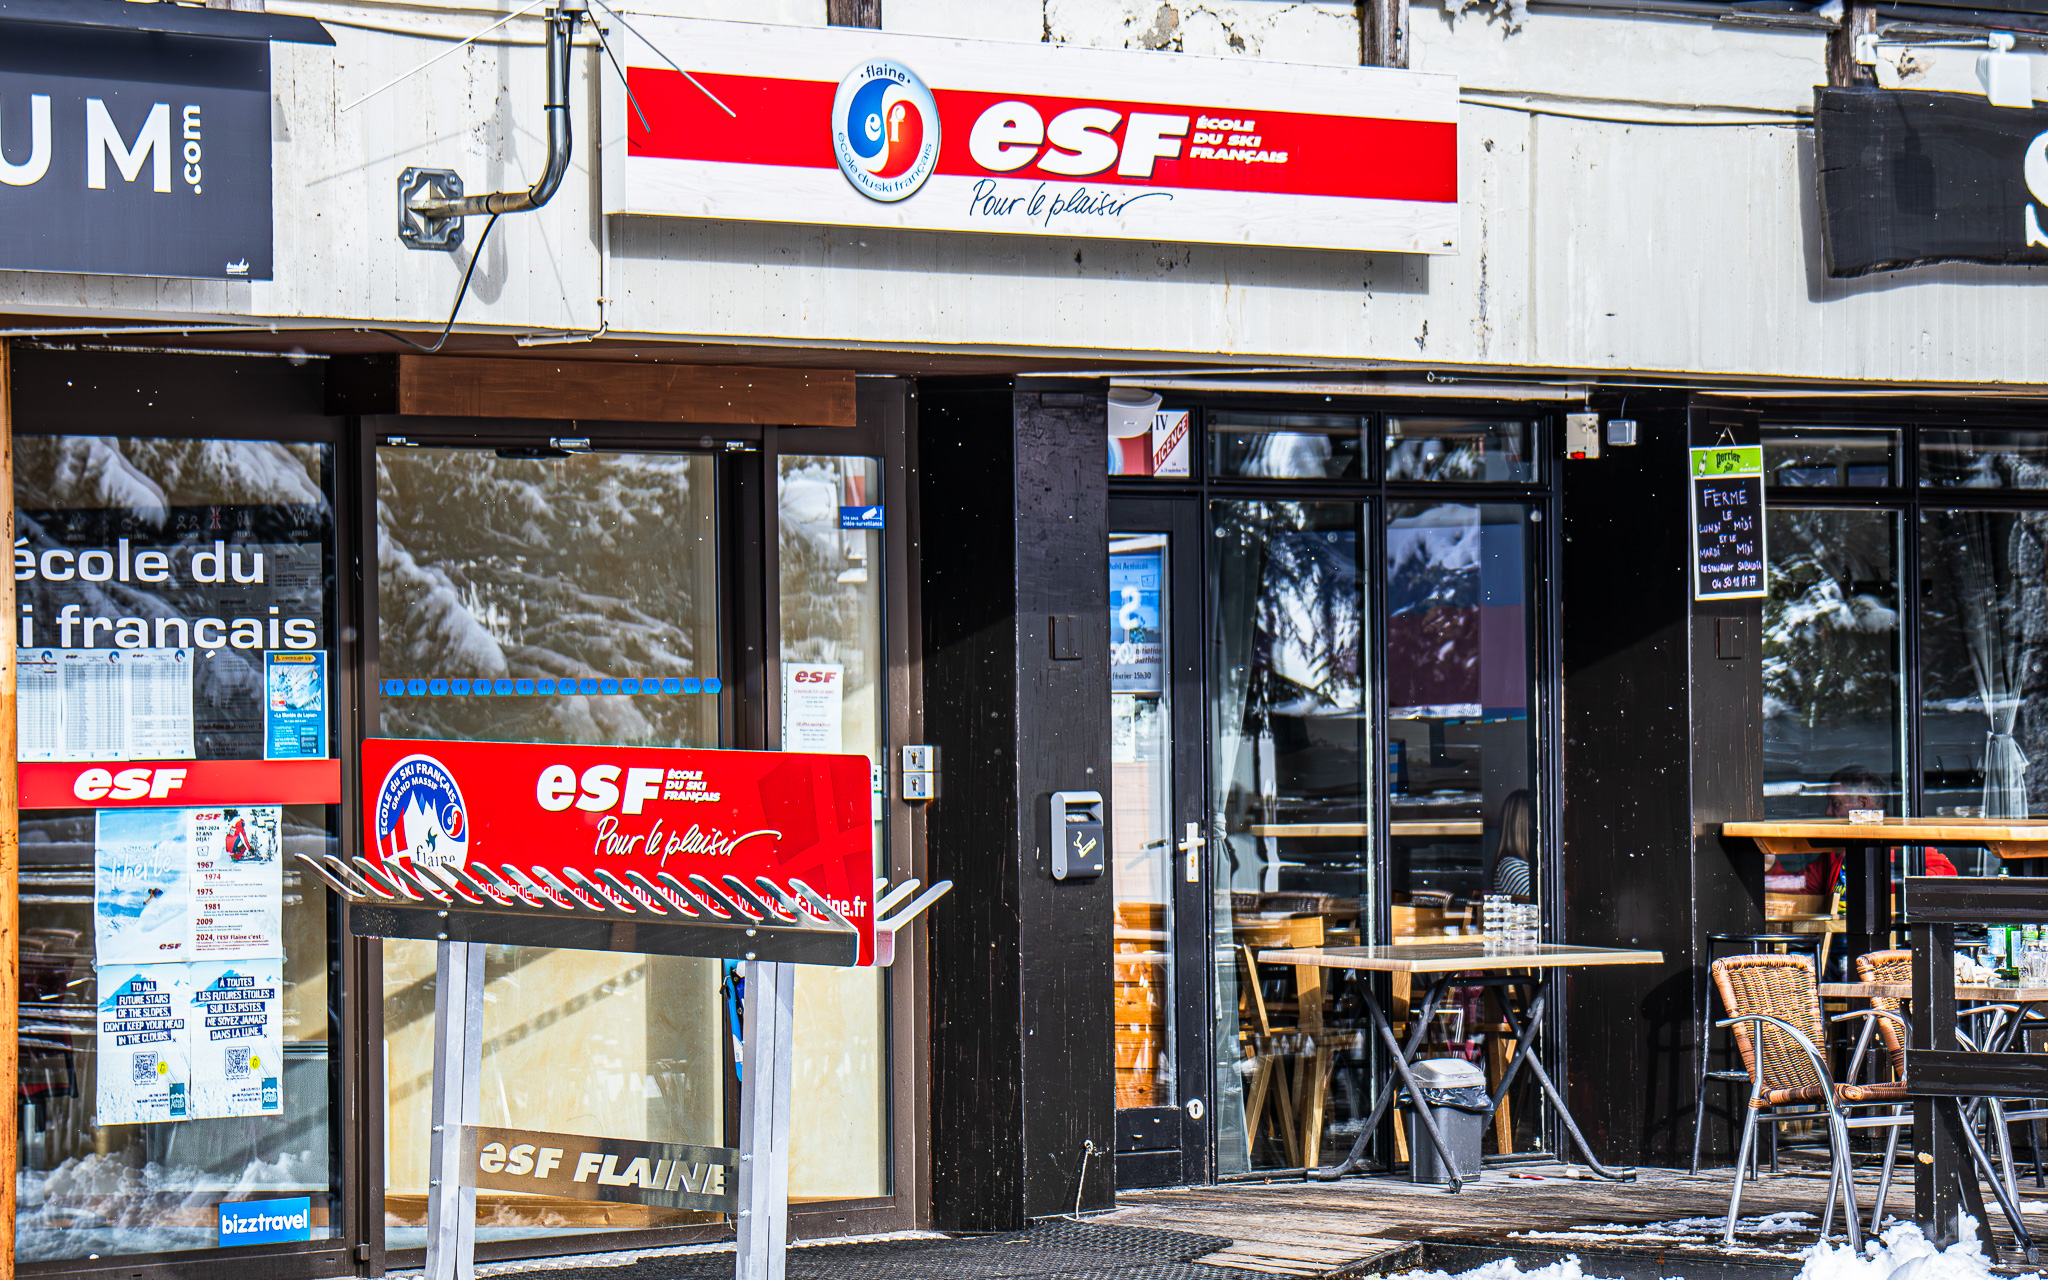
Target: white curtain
pixel 1991 627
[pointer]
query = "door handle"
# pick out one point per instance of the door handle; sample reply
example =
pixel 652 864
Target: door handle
pixel 1192 847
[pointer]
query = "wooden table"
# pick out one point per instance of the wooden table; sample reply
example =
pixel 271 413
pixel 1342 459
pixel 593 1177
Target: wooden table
pixel 1451 963
pixel 1863 845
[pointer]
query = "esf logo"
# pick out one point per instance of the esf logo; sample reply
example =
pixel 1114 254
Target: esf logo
pixel 885 130
pixel 814 676
pixel 420 814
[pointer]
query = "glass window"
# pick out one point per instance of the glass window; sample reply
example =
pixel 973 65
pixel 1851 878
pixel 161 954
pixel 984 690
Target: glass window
pixel 1978 459
pixel 1460 742
pixel 1141 817
pixel 1462 821
pixel 1291 841
pixel 1983 657
pixel 1469 449
pixel 1831 457
pixel 1320 446
pixel 516 598
pixel 1833 715
pixel 159 580
pixel 831 594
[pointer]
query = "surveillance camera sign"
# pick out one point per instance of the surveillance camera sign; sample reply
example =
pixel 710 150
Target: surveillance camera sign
pixel 134 154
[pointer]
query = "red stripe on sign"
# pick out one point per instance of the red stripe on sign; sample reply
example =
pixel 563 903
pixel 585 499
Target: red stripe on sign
pixel 786 122
pixel 178 784
pixel 789 122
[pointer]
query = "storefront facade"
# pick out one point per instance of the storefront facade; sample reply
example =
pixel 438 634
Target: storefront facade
pixel 1299 532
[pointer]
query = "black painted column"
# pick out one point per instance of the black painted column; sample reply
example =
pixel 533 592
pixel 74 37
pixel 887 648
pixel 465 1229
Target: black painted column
pixel 1662 743
pixel 1014 545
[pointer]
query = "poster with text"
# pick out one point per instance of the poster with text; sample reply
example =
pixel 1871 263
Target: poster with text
pixel 235 1023
pixel 144 1067
pixel 1137 645
pixel 813 706
pixel 294 706
pixel 142 867
pixel 237 883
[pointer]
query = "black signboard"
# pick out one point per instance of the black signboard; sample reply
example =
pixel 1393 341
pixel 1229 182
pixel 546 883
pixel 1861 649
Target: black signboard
pixel 132 153
pixel 1913 178
pixel 1727 522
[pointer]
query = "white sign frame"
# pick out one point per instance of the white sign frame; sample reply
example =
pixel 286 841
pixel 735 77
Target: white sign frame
pixel 946 201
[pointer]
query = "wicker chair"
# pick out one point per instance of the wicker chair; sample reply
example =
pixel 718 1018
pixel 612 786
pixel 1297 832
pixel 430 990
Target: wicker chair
pixel 1774 1014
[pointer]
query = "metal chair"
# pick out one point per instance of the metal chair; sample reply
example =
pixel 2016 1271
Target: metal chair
pixel 1755 942
pixel 1775 1015
pixel 1897 967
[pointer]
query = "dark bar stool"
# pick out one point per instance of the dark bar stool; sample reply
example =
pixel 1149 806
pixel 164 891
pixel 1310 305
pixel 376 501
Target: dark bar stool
pixel 1719 944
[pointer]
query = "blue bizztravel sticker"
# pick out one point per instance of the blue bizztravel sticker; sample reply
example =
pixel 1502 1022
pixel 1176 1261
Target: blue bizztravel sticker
pixel 266 1221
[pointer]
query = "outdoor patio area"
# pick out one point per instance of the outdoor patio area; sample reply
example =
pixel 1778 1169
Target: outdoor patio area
pixel 1667 1224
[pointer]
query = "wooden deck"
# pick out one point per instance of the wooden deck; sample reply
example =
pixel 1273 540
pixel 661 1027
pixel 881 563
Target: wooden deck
pixel 1322 1229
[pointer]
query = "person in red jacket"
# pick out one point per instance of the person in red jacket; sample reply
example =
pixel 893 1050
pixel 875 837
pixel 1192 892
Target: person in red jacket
pixel 1853 788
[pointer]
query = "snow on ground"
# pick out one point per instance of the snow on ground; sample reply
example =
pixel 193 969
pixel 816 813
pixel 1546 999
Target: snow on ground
pixel 1901 1253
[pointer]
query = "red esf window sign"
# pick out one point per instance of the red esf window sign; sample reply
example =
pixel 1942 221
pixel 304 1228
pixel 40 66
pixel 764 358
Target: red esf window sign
pixel 862 128
pixel 624 810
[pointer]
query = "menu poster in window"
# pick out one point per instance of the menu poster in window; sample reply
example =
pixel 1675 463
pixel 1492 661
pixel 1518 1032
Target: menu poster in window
pixel 226 584
pixel 1136 644
pixel 237 881
pixel 105 704
pixel 295 706
pixel 813 708
pixel 142 864
pixel 1728 522
pixel 235 1023
pixel 145 1068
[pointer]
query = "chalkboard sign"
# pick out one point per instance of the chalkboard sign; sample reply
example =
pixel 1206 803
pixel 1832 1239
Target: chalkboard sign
pixel 1727 522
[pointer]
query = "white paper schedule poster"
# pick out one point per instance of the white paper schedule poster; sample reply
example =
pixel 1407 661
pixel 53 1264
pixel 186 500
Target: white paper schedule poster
pixel 236 1030
pixel 145 1068
pixel 813 706
pixel 237 884
pixel 105 704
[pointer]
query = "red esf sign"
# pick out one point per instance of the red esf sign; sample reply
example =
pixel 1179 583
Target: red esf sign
pixel 653 811
pixel 862 128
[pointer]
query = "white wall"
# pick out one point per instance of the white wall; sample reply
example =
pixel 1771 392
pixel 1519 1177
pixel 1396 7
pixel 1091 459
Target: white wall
pixel 1674 234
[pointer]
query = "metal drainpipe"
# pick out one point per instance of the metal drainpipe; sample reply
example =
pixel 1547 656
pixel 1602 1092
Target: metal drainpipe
pixel 562 21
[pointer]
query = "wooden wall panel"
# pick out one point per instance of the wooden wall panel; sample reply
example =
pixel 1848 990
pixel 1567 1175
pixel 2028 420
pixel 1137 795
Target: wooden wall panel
pixel 590 390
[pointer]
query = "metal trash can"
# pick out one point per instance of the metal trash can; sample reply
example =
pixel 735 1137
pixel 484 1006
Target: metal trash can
pixel 1455 1092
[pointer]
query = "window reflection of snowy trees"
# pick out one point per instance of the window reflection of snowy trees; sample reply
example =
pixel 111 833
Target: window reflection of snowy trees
pixel 595 565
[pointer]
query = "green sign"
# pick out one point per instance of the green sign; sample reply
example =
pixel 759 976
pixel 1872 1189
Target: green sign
pixel 1727 522
pixel 1728 460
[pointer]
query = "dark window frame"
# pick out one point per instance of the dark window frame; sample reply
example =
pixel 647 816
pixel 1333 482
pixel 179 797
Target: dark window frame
pixel 1376 495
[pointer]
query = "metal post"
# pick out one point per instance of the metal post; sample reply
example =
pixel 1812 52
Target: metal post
pixel 10 839
pixel 458 1066
pixel 763 1226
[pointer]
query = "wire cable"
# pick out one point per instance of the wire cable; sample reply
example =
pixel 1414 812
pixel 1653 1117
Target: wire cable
pixel 460 294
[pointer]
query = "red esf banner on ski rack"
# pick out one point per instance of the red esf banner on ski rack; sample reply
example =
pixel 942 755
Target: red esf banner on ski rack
pixel 629 815
pixel 850 126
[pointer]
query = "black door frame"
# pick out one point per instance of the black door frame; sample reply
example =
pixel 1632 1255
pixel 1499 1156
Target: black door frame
pixel 1144 1135
pixel 1375 495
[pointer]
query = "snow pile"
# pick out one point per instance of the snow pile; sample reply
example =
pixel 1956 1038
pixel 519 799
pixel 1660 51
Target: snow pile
pixel 1901 1253
pixel 1505 1269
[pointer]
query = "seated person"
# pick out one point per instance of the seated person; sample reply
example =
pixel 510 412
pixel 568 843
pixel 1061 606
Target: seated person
pixel 1514 858
pixel 1852 788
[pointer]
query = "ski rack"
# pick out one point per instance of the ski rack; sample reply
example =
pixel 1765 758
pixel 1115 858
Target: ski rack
pixel 565 908
pixel 770 925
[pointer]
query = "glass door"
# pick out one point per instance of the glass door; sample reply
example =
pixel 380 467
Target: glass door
pixel 1157 846
pixel 529 594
